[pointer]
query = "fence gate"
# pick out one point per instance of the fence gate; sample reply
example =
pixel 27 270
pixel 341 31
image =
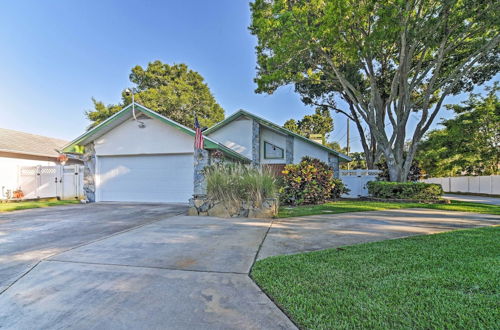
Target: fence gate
pixel 65 182
pixel 356 181
pixel 47 181
pixel 72 182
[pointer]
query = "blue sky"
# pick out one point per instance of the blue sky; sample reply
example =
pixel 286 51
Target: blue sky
pixel 55 55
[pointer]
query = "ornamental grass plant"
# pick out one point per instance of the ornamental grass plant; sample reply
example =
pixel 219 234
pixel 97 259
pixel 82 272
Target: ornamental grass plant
pixel 235 183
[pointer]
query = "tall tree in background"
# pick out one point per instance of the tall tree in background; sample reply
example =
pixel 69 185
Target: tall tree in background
pixel 320 122
pixel 388 59
pixel 468 143
pixel 174 91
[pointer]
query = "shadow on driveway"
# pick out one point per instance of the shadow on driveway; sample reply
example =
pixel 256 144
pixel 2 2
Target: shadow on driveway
pixel 28 236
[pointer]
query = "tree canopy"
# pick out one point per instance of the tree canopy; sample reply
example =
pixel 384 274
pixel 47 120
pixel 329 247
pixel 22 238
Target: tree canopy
pixel 469 143
pixel 390 60
pixel 174 91
pixel 320 122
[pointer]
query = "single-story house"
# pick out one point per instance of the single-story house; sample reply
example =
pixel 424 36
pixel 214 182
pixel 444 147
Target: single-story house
pixel 151 158
pixel 266 143
pixel 19 149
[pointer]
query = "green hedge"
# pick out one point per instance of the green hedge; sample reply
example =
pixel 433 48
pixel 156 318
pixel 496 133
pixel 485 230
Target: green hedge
pixel 405 190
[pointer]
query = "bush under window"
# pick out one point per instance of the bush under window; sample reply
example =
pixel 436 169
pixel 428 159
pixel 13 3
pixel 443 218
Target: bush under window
pixel 309 182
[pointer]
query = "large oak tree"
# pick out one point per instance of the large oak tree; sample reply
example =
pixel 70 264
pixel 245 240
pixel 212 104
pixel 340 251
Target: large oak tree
pixel 174 91
pixel 390 60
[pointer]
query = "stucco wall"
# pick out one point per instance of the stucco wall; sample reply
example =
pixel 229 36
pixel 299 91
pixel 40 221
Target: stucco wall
pixel 9 171
pixel 302 148
pixel 237 135
pixel 155 138
pixel 277 139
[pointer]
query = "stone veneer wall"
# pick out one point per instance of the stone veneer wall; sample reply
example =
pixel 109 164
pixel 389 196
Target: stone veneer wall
pixel 255 142
pixel 89 172
pixel 201 159
pixel 333 162
pixel 289 149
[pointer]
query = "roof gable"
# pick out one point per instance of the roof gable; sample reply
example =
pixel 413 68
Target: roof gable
pixel 126 113
pixel 273 126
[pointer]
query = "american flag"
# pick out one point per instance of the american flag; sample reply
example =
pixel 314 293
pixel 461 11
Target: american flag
pixel 198 137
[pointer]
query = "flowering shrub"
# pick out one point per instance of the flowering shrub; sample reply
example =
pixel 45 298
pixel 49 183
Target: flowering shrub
pixel 309 182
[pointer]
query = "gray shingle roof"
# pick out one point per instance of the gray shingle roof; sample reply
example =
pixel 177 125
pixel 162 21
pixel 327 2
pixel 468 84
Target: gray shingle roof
pixel 30 144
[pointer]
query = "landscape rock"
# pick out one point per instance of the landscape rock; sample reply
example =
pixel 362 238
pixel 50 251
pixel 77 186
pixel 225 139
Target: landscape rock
pixel 246 209
pixel 218 210
pixel 192 211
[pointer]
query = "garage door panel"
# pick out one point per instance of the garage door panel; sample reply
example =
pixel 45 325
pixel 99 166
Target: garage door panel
pixel 146 178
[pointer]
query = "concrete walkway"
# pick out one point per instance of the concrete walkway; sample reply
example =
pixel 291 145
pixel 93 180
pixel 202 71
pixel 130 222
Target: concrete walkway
pixel 475 199
pixel 170 272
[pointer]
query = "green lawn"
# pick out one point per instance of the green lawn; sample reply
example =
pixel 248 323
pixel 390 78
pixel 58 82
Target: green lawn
pixel 357 206
pixel 7 207
pixel 442 281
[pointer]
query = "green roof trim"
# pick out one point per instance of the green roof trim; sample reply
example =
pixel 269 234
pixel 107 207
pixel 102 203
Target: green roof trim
pixel 75 146
pixel 265 122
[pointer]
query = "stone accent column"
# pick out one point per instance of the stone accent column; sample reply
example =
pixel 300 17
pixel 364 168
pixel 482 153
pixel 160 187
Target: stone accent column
pixel 255 142
pixel 333 162
pixel 89 172
pixel 289 149
pixel 201 159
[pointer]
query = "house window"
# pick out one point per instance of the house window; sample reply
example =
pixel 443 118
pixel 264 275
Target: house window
pixel 273 152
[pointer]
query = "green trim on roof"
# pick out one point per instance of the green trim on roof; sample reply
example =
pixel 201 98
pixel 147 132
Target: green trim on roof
pixel 274 126
pixel 75 145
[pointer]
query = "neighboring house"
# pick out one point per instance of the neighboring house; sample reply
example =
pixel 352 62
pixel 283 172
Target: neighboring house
pixel 23 149
pixel 152 158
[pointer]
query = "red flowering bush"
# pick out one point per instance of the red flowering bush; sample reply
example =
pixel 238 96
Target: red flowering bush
pixel 309 182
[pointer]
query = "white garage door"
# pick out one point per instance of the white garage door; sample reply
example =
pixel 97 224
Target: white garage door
pixel 145 178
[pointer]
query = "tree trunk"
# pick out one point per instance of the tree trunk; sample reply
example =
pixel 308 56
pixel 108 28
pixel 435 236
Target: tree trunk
pixel 370 150
pixel 395 172
pixel 395 166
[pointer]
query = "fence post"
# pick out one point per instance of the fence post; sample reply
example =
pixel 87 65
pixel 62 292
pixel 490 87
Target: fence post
pixel 60 182
pixel 38 180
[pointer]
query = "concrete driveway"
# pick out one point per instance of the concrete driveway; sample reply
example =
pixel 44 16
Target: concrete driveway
pixel 28 236
pixel 317 232
pixel 174 272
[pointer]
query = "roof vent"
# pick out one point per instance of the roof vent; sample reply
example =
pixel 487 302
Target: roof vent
pixel 318 138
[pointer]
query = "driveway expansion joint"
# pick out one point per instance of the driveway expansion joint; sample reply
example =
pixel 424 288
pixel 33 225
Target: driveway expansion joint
pixel 20 277
pixel 144 267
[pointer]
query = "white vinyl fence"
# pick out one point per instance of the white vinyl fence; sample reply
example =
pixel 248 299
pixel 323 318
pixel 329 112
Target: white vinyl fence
pixel 65 182
pixel 469 184
pixel 356 181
